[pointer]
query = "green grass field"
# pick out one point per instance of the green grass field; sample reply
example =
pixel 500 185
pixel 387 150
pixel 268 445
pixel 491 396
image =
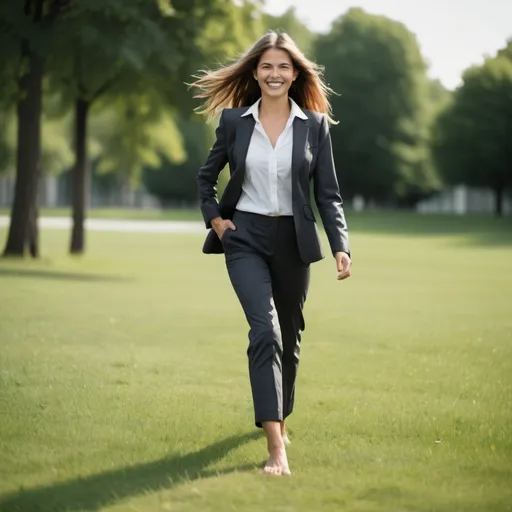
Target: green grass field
pixel 124 386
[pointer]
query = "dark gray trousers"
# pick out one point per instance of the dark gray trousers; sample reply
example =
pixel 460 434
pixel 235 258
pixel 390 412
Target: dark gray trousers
pixel 271 282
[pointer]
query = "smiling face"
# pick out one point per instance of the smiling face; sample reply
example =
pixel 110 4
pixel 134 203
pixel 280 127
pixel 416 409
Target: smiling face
pixel 275 73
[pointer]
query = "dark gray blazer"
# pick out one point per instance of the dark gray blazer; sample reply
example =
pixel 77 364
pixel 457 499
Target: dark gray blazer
pixel 311 160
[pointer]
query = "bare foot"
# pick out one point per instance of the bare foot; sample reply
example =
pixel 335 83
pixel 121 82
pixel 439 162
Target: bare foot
pixel 277 463
pixel 284 435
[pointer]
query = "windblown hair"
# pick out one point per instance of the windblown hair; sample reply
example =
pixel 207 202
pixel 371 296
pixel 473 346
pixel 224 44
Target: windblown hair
pixel 234 86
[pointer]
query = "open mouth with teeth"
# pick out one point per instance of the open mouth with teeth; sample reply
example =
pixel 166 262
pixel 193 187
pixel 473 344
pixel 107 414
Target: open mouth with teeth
pixel 275 85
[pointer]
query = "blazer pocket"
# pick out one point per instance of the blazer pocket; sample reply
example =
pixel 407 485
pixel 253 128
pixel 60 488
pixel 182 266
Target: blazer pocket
pixel 308 213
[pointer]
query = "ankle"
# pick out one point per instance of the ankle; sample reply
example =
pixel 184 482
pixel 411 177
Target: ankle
pixel 276 446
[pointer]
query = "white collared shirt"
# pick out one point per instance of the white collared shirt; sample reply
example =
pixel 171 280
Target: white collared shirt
pixel 267 186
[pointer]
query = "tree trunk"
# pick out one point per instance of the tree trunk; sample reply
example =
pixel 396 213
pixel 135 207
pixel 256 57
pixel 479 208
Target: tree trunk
pixel 80 177
pixel 23 229
pixel 498 191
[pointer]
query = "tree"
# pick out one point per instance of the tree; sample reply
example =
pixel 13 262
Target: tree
pixel 56 153
pixel 132 133
pixel 472 135
pixel 7 139
pixel 424 179
pixel 10 62
pixel 381 143
pixel 27 27
pixel 110 47
pixel 506 51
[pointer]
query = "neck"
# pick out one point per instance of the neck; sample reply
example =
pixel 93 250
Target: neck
pixel 275 107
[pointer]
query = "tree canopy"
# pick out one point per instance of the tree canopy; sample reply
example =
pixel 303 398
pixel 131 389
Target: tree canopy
pixel 377 71
pixel 472 135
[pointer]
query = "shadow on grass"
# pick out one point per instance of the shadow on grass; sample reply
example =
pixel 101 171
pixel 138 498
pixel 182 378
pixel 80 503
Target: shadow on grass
pixel 65 276
pixel 94 492
pixel 484 230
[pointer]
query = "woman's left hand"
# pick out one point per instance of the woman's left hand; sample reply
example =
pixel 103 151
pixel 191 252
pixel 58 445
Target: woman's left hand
pixel 343 265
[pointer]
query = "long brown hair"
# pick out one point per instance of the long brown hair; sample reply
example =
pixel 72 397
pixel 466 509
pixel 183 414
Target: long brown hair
pixel 233 85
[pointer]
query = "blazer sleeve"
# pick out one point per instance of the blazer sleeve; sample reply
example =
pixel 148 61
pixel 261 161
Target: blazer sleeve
pixel 327 193
pixel 208 175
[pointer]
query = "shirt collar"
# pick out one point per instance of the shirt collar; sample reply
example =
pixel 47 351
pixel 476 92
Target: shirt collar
pixel 295 111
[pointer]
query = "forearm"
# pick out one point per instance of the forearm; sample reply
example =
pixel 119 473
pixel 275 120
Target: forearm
pixel 335 226
pixel 328 197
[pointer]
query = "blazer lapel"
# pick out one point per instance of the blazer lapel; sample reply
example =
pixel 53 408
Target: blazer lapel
pixel 244 129
pixel 300 137
pixel 243 139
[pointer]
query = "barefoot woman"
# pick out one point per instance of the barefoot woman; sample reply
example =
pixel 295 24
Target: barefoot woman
pixel 274 133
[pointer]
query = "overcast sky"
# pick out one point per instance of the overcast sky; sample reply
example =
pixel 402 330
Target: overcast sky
pixel 453 34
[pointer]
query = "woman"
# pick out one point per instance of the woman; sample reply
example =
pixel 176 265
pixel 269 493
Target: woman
pixel 274 133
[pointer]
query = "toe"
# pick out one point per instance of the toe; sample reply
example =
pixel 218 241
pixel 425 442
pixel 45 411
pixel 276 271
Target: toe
pixel 272 469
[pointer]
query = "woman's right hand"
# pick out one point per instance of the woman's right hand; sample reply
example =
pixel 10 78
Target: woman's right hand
pixel 220 225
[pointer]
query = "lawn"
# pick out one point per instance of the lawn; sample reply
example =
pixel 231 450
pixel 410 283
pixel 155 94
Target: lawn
pixel 124 387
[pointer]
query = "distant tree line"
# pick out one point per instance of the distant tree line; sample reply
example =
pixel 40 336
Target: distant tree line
pixel 472 136
pixel 101 85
